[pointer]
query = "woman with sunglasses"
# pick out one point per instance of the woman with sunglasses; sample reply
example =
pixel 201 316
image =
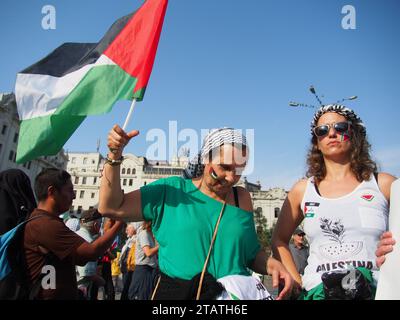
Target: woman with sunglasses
pixel 343 205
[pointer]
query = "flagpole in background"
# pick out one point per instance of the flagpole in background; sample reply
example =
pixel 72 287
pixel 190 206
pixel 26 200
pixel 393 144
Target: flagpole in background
pixel 128 117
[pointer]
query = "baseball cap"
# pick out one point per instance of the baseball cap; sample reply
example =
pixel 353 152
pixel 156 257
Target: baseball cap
pixel 299 231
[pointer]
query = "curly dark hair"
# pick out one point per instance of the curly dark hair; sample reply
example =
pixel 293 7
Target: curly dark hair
pixel 361 163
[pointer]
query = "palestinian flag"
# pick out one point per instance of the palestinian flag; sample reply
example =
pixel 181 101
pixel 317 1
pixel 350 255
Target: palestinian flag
pixel 78 79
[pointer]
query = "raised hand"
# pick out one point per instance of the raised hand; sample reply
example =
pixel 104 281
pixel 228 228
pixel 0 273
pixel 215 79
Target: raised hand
pixel 118 139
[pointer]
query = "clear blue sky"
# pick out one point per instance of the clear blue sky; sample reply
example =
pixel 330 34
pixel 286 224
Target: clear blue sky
pixel 236 63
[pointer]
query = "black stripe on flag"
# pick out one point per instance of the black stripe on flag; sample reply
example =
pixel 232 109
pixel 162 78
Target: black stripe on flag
pixel 70 56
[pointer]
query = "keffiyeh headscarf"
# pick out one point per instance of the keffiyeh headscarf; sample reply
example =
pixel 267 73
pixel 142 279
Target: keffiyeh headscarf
pixel 214 139
pixel 348 113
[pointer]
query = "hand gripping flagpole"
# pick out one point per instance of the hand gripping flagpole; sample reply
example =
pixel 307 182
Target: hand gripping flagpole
pixel 128 117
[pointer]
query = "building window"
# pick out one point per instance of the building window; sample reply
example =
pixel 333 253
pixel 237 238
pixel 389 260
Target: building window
pixel 93 161
pixel 79 211
pixel 130 182
pixel 76 180
pixel 94 180
pixel 16 137
pixel 123 170
pixel 4 129
pixel 84 160
pixel 92 195
pixel 11 155
pixel 81 194
pixel 83 180
pixel 128 171
pixel 74 194
pixel 73 160
pixel 124 182
pixel 133 171
pixel 83 170
pixel 277 211
pixel 71 209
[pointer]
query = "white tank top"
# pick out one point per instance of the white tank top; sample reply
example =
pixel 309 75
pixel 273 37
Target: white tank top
pixel 343 233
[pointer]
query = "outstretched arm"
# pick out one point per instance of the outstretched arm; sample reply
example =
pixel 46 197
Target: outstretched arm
pixel 289 218
pixel 91 251
pixel 113 202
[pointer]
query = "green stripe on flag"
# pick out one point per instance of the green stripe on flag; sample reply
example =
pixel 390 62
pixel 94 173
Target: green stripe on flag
pixel 97 92
pixel 45 135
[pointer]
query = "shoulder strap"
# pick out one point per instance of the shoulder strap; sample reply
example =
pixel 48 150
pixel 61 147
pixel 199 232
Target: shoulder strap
pixel 376 177
pixel 209 252
pixel 235 194
pixel 205 263
pixel 317 189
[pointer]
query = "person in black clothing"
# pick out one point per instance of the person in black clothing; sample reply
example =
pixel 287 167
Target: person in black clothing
pixel 16 203
pixel 16 198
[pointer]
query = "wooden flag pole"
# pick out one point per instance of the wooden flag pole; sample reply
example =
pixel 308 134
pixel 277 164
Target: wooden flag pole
pixel 128 117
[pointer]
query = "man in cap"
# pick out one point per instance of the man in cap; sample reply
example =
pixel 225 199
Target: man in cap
pixel 299 250
pixel 88 279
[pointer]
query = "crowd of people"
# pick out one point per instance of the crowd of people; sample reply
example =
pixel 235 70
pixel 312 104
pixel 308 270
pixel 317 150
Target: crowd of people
pixel 194 237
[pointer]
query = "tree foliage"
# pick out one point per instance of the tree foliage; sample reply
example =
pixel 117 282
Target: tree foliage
pixel 264 233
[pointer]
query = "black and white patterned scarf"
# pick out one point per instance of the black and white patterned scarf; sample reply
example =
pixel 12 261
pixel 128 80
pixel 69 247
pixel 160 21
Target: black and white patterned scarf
pixel 348 113
pixel 214 139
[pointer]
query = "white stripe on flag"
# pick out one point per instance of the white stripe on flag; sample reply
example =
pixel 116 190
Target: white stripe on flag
pixel 39 95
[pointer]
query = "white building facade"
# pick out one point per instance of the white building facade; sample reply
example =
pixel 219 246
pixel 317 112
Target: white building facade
pixel 270 203
pixel 86 170
pixel 9 131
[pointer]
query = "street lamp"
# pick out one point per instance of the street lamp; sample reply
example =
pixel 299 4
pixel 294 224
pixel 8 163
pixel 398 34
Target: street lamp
pixel 349 98
pixel 296 104
pixel 313 91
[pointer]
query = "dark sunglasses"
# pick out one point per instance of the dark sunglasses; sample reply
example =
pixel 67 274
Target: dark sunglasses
pixel 339 127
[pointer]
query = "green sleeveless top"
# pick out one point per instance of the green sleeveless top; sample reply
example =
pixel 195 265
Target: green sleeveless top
pixel 183 223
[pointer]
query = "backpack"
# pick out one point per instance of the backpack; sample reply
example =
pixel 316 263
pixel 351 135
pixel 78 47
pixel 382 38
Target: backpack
pixel 130 262
pixel 14 283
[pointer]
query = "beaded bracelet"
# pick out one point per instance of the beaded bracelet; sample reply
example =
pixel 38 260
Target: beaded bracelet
pixel 114 162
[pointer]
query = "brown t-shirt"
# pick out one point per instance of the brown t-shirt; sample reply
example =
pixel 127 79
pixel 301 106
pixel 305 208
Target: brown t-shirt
pixel 49 232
